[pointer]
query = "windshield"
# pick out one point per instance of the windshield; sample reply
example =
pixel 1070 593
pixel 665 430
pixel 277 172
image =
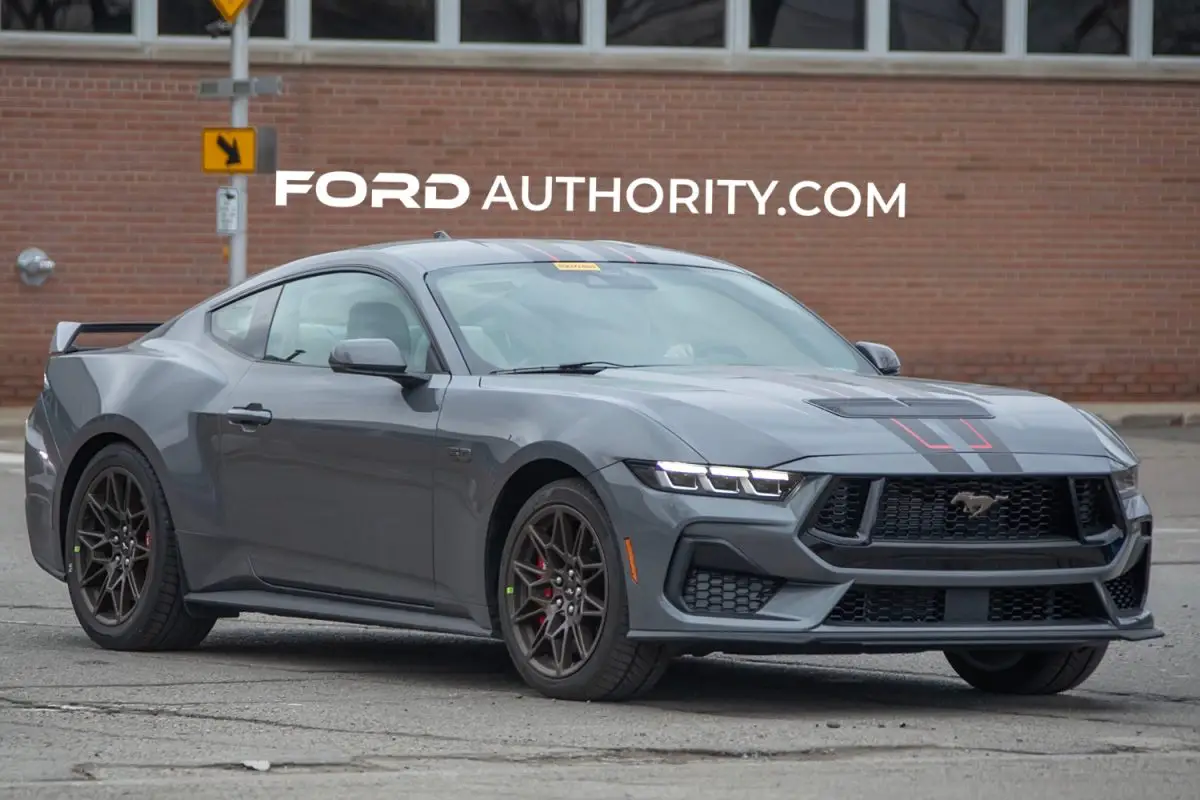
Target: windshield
pixel 528 315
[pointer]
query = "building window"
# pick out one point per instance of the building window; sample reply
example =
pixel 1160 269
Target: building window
pixel 1177 28
pixel 808 24
pixel 1078 27
pixel 947 26
pixel 520 22
pixel 667 23
pixel 396 20
pixel 192 17
pixel 67 16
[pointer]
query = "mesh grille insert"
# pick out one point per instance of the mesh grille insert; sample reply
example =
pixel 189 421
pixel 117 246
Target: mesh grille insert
pixel 1044 604
pixel 925 509
pixel 889 605
pixel 709 591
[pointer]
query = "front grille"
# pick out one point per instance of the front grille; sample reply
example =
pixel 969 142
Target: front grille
pixel 1044 604
pixel 709 591
pixel 922 509
pixel 889 605
pixel 1129 590
pixel 842 511
pixel 1096 512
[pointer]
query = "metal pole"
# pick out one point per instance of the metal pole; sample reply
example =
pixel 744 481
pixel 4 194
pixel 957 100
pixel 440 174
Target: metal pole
pixel 240 117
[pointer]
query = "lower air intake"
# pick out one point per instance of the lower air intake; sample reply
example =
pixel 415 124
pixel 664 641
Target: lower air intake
pixel 708 591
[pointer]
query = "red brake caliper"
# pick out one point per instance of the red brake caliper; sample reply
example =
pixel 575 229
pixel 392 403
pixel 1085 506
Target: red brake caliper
pixel 546 593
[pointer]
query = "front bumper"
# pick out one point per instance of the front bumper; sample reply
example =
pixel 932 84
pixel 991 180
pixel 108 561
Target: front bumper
pixel 747 576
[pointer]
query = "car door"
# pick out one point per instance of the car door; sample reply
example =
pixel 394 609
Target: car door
pixel 326 478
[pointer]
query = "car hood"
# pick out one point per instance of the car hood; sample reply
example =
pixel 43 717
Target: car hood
pixel 756 416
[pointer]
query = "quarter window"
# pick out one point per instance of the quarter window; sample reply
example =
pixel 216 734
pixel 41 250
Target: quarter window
pixel 316 313
pixel 233 325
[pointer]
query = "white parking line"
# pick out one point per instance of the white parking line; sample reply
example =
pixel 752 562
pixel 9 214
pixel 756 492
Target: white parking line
pixel 1177 530
pixel 12 460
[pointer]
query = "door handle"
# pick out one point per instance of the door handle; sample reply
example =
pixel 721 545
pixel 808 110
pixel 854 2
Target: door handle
pixel 251 416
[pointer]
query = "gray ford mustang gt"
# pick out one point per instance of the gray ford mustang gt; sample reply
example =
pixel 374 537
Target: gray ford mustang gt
pixel 604 454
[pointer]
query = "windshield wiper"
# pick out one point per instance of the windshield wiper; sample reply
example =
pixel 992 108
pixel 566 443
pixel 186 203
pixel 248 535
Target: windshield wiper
pixel 576 368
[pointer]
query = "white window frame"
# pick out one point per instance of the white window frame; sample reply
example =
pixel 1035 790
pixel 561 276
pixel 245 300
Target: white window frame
pixel 592 53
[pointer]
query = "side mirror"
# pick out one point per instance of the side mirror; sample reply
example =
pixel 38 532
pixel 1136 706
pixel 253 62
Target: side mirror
pixel 883 357
pixel 378 357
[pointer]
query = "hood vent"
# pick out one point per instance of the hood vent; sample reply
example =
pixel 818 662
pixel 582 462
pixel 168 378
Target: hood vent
pixel 895 408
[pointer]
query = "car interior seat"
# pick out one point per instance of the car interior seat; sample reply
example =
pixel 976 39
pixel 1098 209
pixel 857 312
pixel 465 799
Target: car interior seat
pixel 376 320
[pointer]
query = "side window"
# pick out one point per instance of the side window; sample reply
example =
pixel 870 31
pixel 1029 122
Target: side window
pixel 233 325
pixel 316 313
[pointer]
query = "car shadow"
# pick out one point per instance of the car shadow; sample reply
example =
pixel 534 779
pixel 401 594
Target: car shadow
pixel 714 686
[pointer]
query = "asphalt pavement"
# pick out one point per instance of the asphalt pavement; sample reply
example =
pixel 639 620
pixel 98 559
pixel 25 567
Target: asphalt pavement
pixel 272 708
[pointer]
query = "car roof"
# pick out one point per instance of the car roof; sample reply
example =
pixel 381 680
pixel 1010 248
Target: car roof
pixel 438 253
pixel 442 252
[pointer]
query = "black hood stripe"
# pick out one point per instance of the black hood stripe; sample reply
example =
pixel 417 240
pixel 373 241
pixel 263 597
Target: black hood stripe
pixel 925 442
pixel 986 443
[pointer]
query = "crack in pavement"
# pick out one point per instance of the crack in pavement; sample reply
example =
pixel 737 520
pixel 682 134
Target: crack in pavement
pixel 91 772
pixel 119 710
pixel 142 684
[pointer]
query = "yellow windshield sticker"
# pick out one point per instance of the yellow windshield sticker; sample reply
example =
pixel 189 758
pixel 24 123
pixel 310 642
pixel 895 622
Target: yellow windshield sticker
pixel 576 266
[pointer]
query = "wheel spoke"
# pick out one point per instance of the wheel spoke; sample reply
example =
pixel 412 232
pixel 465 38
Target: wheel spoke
pixel 91 539
pixel 559 604
pixel 127 495
pixel 582 647
pixel 559 650
pixel 538 543
pixel 113 563
pixel 98 511
pixel 94 569
pixel 530 575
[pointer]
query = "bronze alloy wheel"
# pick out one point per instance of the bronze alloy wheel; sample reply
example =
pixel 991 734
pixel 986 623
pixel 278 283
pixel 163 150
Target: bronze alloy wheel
pixel 112 546
pixel 557 592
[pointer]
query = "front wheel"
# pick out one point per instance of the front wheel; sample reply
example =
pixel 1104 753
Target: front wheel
pixel 563 605
pixel 1033 672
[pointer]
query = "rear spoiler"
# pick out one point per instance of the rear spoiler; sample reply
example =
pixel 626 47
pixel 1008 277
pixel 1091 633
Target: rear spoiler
pixel 65 333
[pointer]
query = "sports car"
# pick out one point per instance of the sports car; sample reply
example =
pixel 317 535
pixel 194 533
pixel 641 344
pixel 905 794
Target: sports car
pixel 604 454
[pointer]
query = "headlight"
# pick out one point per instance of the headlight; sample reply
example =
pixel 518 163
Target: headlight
pixel 1126 482
pixel 717 481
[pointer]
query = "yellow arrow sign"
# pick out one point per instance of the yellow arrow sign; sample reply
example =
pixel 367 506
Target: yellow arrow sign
pixel 230 150
pixel 230 9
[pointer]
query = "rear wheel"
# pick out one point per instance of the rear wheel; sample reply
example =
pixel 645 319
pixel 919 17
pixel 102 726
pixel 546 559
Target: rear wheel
pixel 1031 672
pixel 563 605
pixel 123 570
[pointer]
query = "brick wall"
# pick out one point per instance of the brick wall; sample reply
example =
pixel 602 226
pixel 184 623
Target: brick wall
pixel 1052 238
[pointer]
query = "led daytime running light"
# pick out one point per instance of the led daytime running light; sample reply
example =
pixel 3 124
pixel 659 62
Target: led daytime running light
pixel 677 476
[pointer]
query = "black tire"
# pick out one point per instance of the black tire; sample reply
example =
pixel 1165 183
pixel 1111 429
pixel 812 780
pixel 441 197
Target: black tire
pixel 1032 672
pixel 158 619
pixel 616 668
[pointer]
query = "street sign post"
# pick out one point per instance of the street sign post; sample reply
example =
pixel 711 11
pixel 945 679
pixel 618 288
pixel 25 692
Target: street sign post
pixel 229 211
pixel 239 149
